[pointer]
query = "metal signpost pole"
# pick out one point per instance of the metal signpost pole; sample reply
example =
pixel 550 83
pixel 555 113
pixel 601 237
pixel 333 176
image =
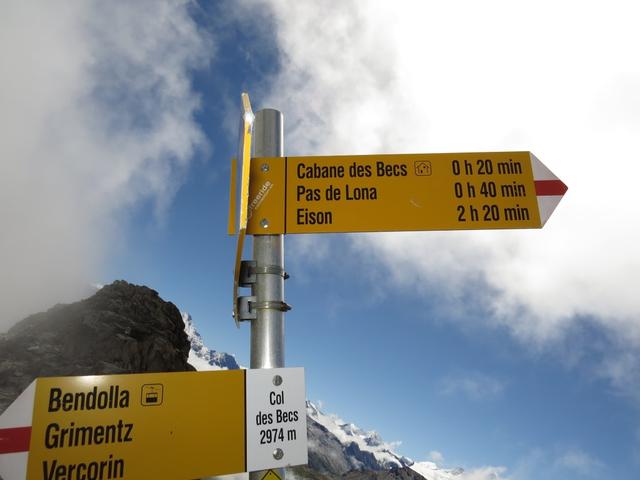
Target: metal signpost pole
pixel 267 330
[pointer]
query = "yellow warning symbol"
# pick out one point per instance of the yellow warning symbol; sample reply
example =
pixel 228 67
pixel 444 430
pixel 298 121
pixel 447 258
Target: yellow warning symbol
pixel 271 475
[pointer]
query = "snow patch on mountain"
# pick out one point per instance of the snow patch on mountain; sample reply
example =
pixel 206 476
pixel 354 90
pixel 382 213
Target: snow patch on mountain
pixel 431 471
pixel 200 356
pixel 367 441
pixel 387 458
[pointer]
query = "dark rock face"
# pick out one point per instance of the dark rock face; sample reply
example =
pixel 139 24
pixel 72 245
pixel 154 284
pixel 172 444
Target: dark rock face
pixel 326 453
pixel 367 459
pixel 329 459
pixel 123 328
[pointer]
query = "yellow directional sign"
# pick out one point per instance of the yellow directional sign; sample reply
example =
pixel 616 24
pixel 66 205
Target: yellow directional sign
pixel 169 425
pixel 375 193
pixel 177 425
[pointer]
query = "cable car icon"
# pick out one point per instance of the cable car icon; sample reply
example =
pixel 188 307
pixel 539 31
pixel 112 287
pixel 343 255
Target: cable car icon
pixel 152 394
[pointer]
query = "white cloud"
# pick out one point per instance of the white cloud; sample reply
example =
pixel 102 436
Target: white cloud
pixel 484 473
pixel 435 456
pixel 432 471
pixel 559 462
pixel 580 462
pixel 474 385
pixel 97 116
pixel 559 80
pixel 622 368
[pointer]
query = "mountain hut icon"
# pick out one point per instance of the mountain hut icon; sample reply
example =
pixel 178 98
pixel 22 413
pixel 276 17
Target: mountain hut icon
pixel 422 168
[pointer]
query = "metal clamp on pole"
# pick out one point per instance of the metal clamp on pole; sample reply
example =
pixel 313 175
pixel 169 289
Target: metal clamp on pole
pixel 271 270
pixel 249 270
pixel 247 273
pixel 273 305
pixel 244 309
pixel 248 307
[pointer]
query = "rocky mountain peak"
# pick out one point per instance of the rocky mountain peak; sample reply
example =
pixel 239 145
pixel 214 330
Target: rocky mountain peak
pixel 202 357
pixel 122 328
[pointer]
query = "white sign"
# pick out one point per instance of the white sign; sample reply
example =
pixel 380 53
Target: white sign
pixel 276 418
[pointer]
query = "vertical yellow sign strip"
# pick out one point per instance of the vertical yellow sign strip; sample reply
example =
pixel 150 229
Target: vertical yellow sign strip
pixel 245 155
pixel 246 126
pixel 231 227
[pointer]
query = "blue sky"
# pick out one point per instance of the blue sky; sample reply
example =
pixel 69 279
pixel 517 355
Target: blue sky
pixel 514 349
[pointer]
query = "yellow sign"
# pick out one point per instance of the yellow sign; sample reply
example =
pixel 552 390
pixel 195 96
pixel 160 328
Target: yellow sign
pixel 375 193
pixel 271 475
pixel 166 425
pixel 246 128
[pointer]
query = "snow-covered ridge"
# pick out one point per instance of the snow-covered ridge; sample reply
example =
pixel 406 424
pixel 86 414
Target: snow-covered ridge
pixel 200 356
pixel 387 458
pixel 431 471
pixel 348 433
pixel 370 441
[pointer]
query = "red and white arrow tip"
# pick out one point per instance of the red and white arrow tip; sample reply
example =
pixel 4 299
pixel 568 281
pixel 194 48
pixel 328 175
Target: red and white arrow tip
pixel 549 189
pixel 15 435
